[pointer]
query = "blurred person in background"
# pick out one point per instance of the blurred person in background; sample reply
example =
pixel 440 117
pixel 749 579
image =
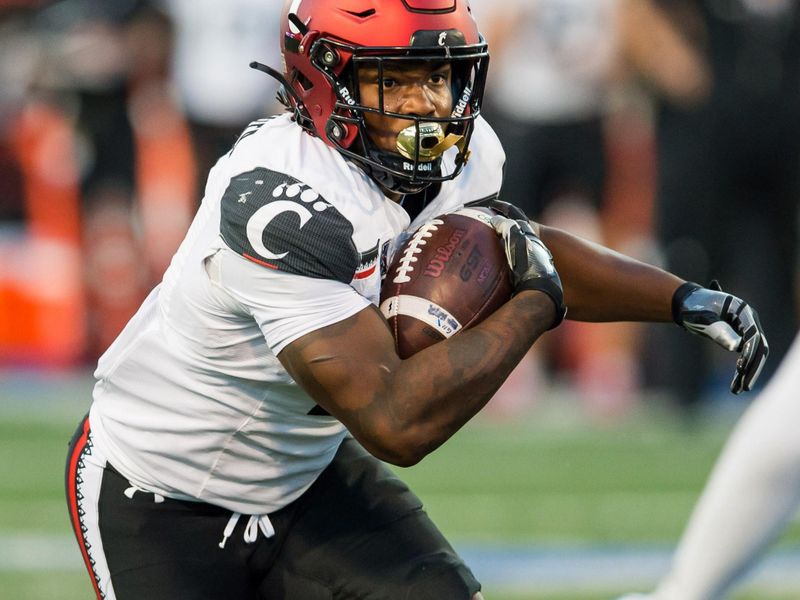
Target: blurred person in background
pixel 724 75
pixel 553 63
pixel 42 310
pixel 106 66
pixel 553 70
pixel 579 155
pixel 89 85
pixel 216 90
pixel 750 498
pixel 728 148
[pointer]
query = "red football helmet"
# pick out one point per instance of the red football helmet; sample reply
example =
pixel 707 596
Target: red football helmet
pixel 324 42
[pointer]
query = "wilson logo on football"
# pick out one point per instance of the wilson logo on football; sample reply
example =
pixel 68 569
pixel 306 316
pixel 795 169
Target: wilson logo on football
pixel 443 254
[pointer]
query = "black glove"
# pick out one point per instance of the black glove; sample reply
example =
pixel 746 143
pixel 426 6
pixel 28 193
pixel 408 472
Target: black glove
pixel 727 320
pixel 531 263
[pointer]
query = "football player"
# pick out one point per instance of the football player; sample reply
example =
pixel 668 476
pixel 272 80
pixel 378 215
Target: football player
pixel 233 447
pixel 751 496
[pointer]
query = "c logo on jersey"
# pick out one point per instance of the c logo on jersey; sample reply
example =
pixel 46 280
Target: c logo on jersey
pixel 276 221
pixel 262 218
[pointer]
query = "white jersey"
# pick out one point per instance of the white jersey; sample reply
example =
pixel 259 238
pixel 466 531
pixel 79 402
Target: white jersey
pixel 191 401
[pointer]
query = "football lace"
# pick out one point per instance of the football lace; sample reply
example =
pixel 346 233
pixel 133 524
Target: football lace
pixel 406 264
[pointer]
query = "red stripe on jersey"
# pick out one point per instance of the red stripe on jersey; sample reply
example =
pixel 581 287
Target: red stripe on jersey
pixel 365 274
pixel 73 504
pixel 261 262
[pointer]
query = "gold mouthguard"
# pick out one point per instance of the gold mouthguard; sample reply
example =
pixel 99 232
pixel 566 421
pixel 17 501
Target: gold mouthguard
pixel 432 141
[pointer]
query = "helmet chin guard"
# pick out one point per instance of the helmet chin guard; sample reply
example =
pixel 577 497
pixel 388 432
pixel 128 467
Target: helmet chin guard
pixel 390 163
pixel 326 42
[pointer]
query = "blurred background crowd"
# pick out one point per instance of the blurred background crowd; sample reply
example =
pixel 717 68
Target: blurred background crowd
pixel 666 129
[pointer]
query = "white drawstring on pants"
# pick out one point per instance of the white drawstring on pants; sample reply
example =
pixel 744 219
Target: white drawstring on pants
pixel 254 523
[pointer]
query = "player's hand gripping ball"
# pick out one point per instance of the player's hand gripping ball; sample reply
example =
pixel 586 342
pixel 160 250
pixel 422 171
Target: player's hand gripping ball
pixel 449 276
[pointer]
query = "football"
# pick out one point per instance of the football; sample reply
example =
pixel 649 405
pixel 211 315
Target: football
pixel 450 275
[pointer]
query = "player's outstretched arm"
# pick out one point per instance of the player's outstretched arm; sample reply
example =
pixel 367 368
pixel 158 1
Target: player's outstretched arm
pixel 401 410
pixel 603 285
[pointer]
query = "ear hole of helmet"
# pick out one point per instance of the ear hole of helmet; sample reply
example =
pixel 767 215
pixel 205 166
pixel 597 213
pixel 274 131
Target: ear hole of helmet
pixel 337 131
pixel 330 60
pixel 328 56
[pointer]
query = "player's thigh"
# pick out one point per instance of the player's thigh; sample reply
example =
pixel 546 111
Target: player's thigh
pixel 360 533
pixel 169 549
pixel 137 545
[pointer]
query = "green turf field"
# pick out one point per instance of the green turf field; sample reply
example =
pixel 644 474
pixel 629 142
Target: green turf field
pixel 539 481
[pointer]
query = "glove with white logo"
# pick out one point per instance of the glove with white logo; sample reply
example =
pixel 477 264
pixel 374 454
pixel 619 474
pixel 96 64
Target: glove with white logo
pixel 531 263
pixel 727 320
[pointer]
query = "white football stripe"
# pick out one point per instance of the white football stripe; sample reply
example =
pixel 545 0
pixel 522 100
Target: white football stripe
pixel 422 309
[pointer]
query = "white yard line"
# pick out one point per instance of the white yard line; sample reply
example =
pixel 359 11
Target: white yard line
pixel 521 568
pixel 498 566
pixel 39 553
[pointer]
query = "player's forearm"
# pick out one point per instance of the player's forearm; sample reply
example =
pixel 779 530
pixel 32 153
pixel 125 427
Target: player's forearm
pixel 453 380
pixel 603 285
pixel 400 410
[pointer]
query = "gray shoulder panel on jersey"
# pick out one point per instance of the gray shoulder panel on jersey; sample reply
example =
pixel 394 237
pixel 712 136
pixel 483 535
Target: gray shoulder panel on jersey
pixel 276 221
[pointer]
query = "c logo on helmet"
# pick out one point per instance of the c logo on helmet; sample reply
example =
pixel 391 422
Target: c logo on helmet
pixel 442 38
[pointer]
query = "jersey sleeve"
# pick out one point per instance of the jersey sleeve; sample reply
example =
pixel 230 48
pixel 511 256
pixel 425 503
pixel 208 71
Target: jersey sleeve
pixel 280 223
pixel 285 306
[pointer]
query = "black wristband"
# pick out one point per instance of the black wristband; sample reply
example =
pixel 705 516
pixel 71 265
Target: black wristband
pixel 678 298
